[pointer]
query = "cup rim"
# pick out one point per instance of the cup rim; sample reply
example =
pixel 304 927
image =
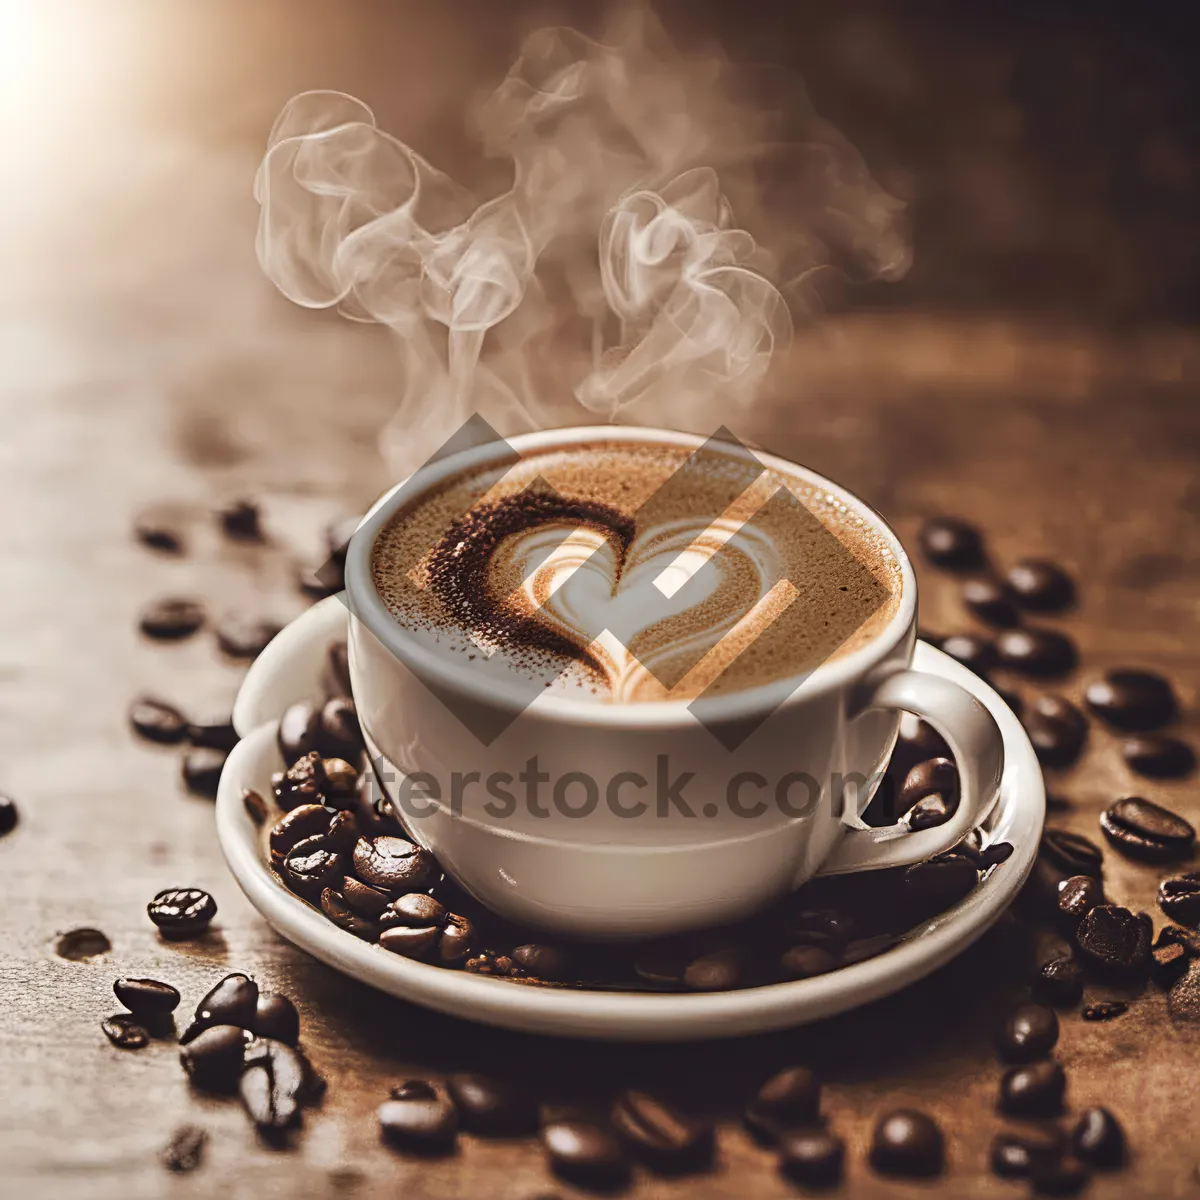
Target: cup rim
pixel 365 603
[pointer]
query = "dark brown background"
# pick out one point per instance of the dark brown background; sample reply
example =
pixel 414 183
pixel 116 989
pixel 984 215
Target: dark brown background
pixel 1035 372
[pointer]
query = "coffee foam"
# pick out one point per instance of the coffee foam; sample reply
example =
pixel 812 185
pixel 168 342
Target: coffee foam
pixel 757 576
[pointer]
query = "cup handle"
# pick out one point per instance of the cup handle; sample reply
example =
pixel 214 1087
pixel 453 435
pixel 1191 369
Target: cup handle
pixel 978 748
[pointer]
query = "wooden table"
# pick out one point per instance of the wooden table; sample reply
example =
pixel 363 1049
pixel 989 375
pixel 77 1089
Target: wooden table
pixel 144 358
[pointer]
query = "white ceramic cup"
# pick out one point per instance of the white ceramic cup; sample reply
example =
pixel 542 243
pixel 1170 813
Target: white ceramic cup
pixel 716 850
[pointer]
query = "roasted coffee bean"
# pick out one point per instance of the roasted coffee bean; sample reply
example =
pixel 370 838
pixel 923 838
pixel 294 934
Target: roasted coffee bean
pixel 488 962
pixel 341 781
pixel 1014 1155
pixel 934 775
pixel 411 942
pixel 182 912
pixel 994 855
pixel 313 865
pixel 245 637
pixel 585 1154
pixel 364 899
pixel 1104 1010
pixel 716 971
pixel 1056 729
pixel 9 815
pixel 234 1001
pixel 303 782
pixel 1077 897
pixel 1036 1090
pixel 297 734
pixel 789 1099
pixel 990 601
pixel 812 1158
pixel 1115 940
pixel 1167 963
pixel 1158 756
pixel 419 1125
pixel 976 653
pixel 216 733
pixel 1132 700
pixel 934 885
pixel 275 1017
pixel 185 1151
pixel 1063 1176
pixel 907 1142
pixel 158 531
pixel 1173 935
pixel 272 1084
pixel 1180 898
pixel 950 542
pixel 213 1059
pixel 1042 653
pixel 78 945
pixel 1059 981
pixel 157 721
pixel 805 961
pixel 334 906
pixel 413 1089
pixel 916 741
pixel 491 1106
pixel 147 997
pixel 1070 852
pixel 393 864
pixel 543 961
pixel 1029 1033
pixel 416 910
pixel 304 821
pixel 124 1032
pixel 201 770
pixel 336 678
pixel 240 519
pixel 339 734
pixel 172 619
pixel 1098 1138
pixel 1040 586
pixel 344 832
pixel 1147 831
pixel 659 1134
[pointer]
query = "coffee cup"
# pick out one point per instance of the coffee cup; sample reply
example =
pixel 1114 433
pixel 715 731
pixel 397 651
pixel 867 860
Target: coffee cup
pixel 631 820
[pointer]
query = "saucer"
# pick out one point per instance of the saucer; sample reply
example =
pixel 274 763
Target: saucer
pixel 289 669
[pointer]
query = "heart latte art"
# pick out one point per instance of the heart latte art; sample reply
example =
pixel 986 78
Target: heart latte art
pixel 626 571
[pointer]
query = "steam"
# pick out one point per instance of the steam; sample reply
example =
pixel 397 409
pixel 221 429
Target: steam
pixel 666 215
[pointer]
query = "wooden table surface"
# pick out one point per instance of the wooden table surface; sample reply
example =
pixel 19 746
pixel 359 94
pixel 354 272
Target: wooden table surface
pixel 144 358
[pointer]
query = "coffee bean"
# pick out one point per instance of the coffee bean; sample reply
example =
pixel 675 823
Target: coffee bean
pixel 458 936
pixel 994 855
pixel 182 912
pixel 416 910
pixel 336 677
pixel 217 733
pixel 240 519
pixel 1167 963
pixel 787 1100
pixel 413 1089
pixel 1056 729
pixel 1145 830
pixel 1158 756
pixel 660 1135
pixel 411 942
pixel 272 1084
pixel 1077 897
pixel 313 865
pixel 1132 700
pixel 934 775
pixel 9 815
pixel 812 1158
pixel 1180 898
pixel 1040 585
pixel 339 734
pixel 364 899
pixel 1063 1176
pixel 1059 981
pixel 916 741
pixel 1036 1090
pixel 1029 1032
pixel 1098 1138
pixel 233 1001
pixel 1114 940
pixel 172 619
pixel 1071 852
pixel 124 1032
pixel 1042 653
pixel 147 997
pixel 78 945
pixel 159 531
pixel 341 781
pixel 492 1106
pixel 543 961
pixel 936 884
pixel 976 653
pixel 1104 1010
pixel 304 821
pixel 275 1017
pixel 245 637
pixel 716 971
pixel 213 1059
pixel 1173 935
pixel 334 906
pixel 950 542
pixel 157 721
pixel 489 962
pixel 1014 1155
pixel 393 864
pixel 201 770
pixel 419 1125
pixel 990 601
pixel 585 1154
pixel 805 961
pixel 907 1142
pixel 185 1151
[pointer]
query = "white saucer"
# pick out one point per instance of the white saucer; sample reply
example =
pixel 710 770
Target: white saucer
pixel 290 669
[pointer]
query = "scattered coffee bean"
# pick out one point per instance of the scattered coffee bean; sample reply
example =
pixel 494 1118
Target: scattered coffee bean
pixel 659 1134
pixel 1158 756
pixel 1104 1010
pixel 1173 935
pixel 1035 1090
pixel 216 733
pixel 1063 1176
pixel 1145 830
pixel 716 971
pixel 1042 653
pixel 420 1125
pixel 491 1106
pixel 338 732
pixel 1098 1138
pixel 1056 729
pixel 1132 700
pixel 276 1018
pixel 233 1001
pixel 990 601
pixel 272 1084
pixel 393 864
pixel 1115 940
pixel 157 721
pixel 812 1158
pixel 245 637
pixel 1180 898
pixel 789 1099
pixel 213 1059
pixel 1167 963
pixel 182 912
pixel 255 806
pixel 806 961
pixel 585 1154
pixel 950 542
pixel 9 815
pixel 542 961
pixel 1014 1155
pixel 172 619
pixel 976 653
pixel 313 865
pixel 78 945
pixel 1071 852
pixel 1077 897
pixel 158 531
pixel 1040 586
pixel 147 997
pixel 1059 981
pixel 201 770
pixel 907 1142
pixel 1029 1032
pixel 240 519
pixel 124 1032
pixel 185 1151
pixel 413 1089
